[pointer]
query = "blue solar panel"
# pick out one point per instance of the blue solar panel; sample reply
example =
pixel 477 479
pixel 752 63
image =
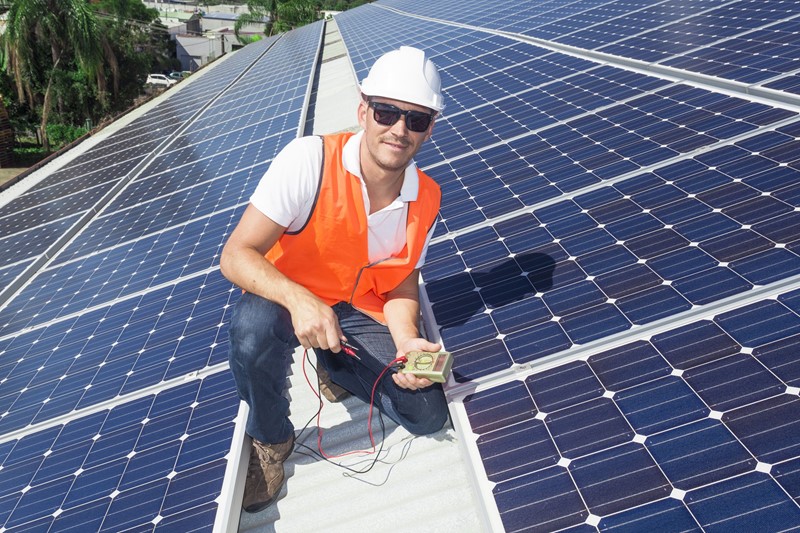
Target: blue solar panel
pixel 41 215
pixel 65 206
pixel 689 233
pixel 599 221
pixel 789 83
pixel 598 229
pixel 694 422
pixel 10 272
pixel 34 241
pixel 159 457
pixel 751 41
pixel 580 153
pixel 67 185
pixel 160 200
pixel 121 271
pixel 133 344
pixel 137 303
pixel 652 245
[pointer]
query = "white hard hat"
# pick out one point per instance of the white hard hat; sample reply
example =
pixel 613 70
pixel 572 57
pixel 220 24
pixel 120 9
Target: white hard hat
pixel 407 75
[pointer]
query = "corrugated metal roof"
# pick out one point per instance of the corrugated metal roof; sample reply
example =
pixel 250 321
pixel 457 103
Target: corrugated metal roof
pixel 417 484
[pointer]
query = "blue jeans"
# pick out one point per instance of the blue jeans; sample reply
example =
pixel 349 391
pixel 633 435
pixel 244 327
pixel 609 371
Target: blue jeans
pixel 262 340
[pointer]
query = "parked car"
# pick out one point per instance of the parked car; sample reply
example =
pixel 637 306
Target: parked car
pixel 160 79
pixel 179 74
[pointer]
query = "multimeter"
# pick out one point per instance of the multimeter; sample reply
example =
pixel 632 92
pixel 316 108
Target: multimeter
pixel 432 365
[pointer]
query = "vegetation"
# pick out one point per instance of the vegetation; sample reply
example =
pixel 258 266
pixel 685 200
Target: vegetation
pixel 284 15
pixel 341 5
pixel 280 15
pixel 67 63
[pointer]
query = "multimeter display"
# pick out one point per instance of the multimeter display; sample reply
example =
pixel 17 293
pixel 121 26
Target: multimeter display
pixel 432 365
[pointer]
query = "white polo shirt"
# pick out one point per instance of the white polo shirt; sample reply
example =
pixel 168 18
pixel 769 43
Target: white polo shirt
pixel 287 191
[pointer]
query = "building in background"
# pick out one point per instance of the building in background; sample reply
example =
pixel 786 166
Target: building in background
pixel 202 37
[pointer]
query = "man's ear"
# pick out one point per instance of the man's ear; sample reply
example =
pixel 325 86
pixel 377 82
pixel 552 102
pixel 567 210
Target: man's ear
pixel 363 107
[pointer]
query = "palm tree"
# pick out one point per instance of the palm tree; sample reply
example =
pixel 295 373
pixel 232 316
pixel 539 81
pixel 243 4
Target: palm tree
pixel 70 30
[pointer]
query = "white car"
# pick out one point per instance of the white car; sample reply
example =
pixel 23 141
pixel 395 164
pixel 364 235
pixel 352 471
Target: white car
pixel 160 79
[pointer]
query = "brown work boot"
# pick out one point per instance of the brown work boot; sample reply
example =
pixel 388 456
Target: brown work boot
pixel 332 392
pixel 265 474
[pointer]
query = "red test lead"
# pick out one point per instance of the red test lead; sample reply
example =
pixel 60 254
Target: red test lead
pixel 349 349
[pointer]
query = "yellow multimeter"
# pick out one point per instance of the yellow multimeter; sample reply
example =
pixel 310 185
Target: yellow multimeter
pixel 432 365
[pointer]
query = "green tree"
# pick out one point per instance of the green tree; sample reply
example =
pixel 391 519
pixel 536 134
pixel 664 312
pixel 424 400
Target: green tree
pixel 341 5
pixel 138 41
pixel 281 16
pixel 72 60
pixel 70 30
pixel 295 13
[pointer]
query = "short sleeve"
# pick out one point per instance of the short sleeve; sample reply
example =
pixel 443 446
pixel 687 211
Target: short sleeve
pixel 288 188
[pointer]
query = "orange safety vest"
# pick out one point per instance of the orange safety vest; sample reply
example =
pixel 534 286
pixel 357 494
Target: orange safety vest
pixel 329 254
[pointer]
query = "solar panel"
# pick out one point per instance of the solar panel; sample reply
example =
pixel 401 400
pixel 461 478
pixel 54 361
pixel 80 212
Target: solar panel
pixel 620 205
pixel 750 41
pixel 158 458
pixel 140 212
pixel 615 269
pixel 679 429
pixel 120 341
pixel 90 180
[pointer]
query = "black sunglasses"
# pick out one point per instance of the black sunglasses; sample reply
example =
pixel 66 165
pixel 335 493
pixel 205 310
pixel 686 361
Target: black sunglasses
pixel 387 115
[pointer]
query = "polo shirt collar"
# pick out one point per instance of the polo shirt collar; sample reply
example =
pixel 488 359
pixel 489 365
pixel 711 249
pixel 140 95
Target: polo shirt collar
pixel 351 159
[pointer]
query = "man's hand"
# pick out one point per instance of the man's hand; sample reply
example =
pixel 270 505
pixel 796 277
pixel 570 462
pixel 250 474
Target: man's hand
pixel 410 381
pixel 315 323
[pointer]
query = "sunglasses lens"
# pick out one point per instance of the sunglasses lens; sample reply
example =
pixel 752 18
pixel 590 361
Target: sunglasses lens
pixel 386 115
pixel 418 121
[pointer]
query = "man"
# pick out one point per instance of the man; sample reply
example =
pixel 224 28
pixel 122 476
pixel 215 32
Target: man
pixel 328 252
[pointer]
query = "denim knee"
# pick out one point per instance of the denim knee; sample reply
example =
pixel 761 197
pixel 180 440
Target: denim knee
pixel 430 424
pixel 260 330
pixel 422 412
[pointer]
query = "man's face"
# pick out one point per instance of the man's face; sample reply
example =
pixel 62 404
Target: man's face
pixel 390 148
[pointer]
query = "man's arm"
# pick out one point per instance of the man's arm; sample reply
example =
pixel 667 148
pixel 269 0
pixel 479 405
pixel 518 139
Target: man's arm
pixel 402 316
pixel 243 263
